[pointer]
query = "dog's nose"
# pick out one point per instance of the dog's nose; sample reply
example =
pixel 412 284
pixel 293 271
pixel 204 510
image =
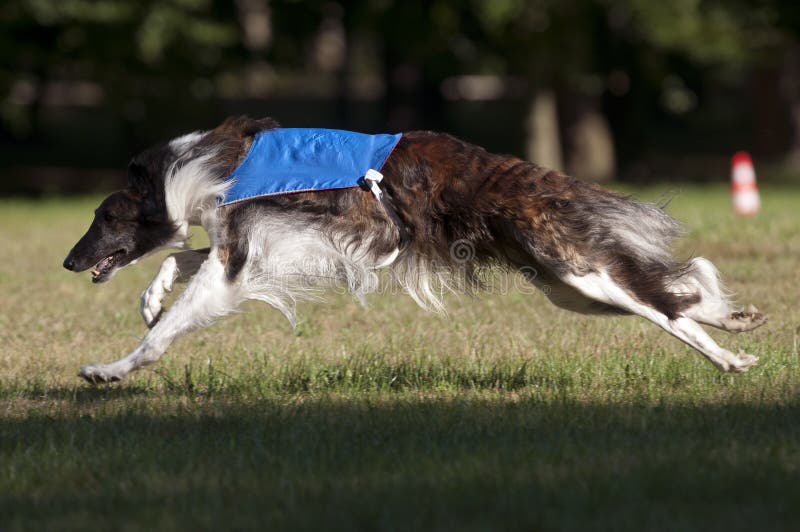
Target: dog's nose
pixel 69 263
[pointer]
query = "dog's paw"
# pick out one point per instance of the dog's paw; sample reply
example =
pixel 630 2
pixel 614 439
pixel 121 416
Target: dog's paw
pixel 98 374
pixel 745 320
pixel 150 303
pixel 744 363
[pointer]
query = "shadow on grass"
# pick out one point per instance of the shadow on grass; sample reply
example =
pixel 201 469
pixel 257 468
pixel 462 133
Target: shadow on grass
pixel 80 393
pixel 464 463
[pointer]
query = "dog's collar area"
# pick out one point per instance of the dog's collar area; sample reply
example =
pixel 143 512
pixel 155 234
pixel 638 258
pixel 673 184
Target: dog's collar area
pixel 373 177
pixel 371 181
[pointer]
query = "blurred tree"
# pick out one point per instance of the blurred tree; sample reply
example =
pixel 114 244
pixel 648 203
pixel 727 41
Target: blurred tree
pixel 558 46
pixel 413 44
pixel 599 72
pixel 732 41
pixel 610 59
pixel 145 56
pixel 785 23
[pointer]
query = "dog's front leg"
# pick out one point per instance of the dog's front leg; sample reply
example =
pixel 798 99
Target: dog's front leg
pixel 209 295
pixel 178 267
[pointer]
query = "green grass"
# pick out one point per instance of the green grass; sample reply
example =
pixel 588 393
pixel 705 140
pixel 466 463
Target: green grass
pixel 508 414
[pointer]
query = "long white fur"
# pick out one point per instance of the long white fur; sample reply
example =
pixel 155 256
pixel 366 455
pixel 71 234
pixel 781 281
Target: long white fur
pixel 289 260
pixel 703 278
pixel 190 190
pixel 176 267
pixel 207 297
pixel 600 287
pixel 191 194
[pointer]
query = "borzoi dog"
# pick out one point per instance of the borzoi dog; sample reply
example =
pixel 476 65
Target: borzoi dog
pixel 286 209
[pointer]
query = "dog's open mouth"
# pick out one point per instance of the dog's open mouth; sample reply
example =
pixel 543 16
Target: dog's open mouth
pixel 103 269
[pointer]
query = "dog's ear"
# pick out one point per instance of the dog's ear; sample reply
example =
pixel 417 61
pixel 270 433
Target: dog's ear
pixel 254 126
pixel 144 189
pixel 244 126
pixel 139 181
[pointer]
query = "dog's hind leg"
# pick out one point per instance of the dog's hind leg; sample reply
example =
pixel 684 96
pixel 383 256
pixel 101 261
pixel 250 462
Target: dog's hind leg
pixel 601 287
pixel 178 267
pixel 714 308
pixel 208 296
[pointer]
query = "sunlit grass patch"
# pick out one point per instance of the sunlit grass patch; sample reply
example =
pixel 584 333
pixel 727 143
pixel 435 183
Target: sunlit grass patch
pixel 508 414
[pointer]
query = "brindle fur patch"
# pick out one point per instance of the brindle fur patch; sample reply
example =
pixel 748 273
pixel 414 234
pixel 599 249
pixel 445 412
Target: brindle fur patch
pixel 510 212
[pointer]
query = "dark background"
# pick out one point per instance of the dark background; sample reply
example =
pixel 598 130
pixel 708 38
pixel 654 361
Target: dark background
pixel 633 90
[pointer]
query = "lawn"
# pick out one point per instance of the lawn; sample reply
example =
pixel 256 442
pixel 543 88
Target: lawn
pixel 508 414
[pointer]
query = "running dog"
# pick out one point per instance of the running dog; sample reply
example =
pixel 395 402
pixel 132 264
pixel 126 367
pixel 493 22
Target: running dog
pixel 597 251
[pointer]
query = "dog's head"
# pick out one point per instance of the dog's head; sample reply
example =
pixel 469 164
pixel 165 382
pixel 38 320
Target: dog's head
pixel 134 222
pixel 129 223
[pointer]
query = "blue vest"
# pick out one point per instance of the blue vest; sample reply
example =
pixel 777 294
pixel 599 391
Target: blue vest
pixel 282 161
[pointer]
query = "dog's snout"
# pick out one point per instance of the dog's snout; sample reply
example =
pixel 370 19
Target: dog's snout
pixel 69 263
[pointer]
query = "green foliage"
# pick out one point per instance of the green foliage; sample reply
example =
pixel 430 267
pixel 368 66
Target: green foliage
pixel 707 32
pixel 145 59
pixel 138 52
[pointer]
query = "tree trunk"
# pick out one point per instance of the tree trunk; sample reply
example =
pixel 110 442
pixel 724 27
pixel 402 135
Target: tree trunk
pixel 256 22
pixel 543 145
pixel 590 144
pixel 790 85
pixel 793 160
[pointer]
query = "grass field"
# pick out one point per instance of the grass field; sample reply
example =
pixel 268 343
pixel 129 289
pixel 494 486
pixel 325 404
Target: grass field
pixel 509 414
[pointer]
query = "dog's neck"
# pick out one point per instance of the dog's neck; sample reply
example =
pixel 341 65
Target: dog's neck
pixel 192 191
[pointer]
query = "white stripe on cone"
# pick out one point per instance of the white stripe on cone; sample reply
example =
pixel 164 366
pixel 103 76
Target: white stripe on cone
pixel 746 201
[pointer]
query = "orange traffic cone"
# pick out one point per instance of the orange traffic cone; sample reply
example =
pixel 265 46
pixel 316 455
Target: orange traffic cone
pixel 743 185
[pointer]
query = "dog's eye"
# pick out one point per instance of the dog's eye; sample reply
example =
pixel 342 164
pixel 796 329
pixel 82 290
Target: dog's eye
pixel 107 217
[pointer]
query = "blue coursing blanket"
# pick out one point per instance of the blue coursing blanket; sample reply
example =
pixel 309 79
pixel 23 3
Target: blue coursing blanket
pixel 281 161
